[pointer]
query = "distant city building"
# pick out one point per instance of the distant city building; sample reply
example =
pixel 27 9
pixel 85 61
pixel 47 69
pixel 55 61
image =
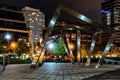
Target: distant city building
pixel 35 20
pixel 12 21
pixel 111 16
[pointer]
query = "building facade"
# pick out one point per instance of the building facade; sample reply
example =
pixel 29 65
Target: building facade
pixel 111 17
pixel 12 21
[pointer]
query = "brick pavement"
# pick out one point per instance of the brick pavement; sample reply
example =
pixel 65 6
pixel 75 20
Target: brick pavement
pixel 55 71
pixel 111 75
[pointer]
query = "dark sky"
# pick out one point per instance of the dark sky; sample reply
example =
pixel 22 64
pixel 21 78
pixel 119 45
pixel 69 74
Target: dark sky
pixel 90 8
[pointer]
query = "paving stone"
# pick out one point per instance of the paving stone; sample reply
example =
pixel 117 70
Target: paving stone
pixel 60 71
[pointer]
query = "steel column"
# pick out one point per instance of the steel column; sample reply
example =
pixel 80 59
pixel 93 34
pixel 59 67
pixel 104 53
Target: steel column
pixel 107 48
pixel 78 47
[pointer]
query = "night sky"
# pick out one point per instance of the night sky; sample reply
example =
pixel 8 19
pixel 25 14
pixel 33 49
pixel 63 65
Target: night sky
pixel 90 8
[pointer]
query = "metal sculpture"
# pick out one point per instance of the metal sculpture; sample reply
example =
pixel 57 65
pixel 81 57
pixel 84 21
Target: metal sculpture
pixel 52 24
pixel 107 48
pixel 92 47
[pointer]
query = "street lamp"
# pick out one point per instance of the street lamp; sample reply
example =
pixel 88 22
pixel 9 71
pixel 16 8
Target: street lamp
pixel 51 46
pixel 72 46
pixel 7 37
pixel 13 45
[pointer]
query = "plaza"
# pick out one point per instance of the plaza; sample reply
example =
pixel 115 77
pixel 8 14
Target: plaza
pixel 60 71
pixel 40 47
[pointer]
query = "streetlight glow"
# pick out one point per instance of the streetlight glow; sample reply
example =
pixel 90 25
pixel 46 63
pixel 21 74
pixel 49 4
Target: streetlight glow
pixel 7 36
pixel 51 46
pixel 13 45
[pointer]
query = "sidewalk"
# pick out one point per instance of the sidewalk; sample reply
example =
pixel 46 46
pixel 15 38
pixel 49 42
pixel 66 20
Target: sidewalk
pixel 56 71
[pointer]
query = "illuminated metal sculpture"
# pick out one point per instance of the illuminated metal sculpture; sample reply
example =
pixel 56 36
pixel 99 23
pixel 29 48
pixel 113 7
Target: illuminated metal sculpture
pixel 53 21
pixel 39 55
pixel 67 47
pixel 107 48
pixel 92 47
pixel 78 47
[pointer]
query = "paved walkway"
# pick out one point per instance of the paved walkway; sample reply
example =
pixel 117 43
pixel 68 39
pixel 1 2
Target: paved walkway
pixel 111 75
pixel 59 71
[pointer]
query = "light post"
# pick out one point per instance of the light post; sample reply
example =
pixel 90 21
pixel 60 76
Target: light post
pixel 8 38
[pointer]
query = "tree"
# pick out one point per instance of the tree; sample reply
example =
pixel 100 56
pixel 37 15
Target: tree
pixel 59 48
pixel 2 47
pixel 22 48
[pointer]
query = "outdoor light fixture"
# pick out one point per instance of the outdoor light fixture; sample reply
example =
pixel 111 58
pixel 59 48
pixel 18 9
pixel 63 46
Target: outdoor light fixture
pixel 7 36
pixel 51 46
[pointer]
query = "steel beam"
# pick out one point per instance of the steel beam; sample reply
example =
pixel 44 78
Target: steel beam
pixel 107 48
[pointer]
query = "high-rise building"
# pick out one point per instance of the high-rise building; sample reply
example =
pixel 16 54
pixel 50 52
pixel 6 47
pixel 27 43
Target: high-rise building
pixel 35 20
pixel 111 16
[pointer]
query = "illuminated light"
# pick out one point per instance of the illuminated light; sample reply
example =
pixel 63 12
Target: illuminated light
pixel 78 56
pixel 105 11
pixel 86 56
pixel 36 18
pixel 51 46
pixel 45 57
pixel 108 56
pixel 52 22
pixel 1 55
pixel 116 28
pixel 70 28
pixel 78 27
pixel 13 45
pixel 39 23
pixel 27 56
pixel 91 56
pixel 36 38
pixel 33 63
pixel 41 40
pixel 31 26
pixel 33 13
pixel 7 36
pixel 71 46
pixel 37 54
pixel 29 15
pixel 83 17
pixel 96 56
pixel 78 42
pixel 33 55
pixel 96 66
pixel 92 44
pixel 4 46
pixel 17 57
pixel 37 47
pixel 100 56
pixel 30 19
pixel 38 15
pixel 107 48
pixel 114 55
